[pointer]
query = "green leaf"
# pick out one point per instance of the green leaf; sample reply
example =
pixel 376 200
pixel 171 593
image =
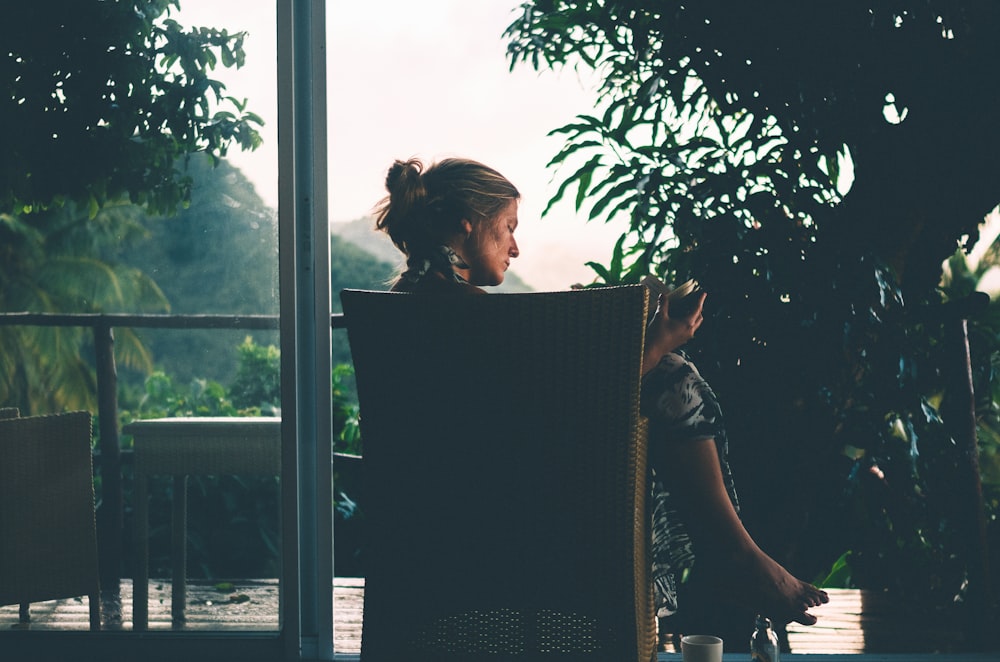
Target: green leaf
pixel 571 148
pixel 625 189
pixel 582 173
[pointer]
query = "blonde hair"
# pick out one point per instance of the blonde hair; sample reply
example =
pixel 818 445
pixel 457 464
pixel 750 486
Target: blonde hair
pixel 425 207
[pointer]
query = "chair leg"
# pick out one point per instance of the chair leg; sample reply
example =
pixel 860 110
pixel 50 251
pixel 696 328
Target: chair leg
pixel 178 585
pixel 95 611
pixel 140 584
pixel 24 613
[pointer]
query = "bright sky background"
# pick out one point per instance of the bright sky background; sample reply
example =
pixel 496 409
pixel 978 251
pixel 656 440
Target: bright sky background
pixel 427 79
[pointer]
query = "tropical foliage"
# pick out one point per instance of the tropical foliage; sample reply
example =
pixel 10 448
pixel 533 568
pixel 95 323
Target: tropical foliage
pixel 101 107
pixel 51 263
pixel 812 165
pixel 104 100
pixel 217 256
pixel 258 377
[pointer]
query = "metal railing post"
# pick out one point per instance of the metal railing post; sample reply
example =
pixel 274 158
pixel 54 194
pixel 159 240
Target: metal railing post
pixel 968 508
pixel 110 515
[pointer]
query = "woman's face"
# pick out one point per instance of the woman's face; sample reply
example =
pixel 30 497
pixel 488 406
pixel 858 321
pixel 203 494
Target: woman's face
pixel 489 247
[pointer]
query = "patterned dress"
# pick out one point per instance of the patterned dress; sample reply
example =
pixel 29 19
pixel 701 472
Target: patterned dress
pixel 681 408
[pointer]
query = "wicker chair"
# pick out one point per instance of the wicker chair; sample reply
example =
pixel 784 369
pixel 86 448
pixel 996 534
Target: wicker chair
pixel 48 535
pixel 24 612
pixel 505 463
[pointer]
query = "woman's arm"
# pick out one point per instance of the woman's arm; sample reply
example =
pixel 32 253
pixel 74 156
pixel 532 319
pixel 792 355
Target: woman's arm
pixel 665 334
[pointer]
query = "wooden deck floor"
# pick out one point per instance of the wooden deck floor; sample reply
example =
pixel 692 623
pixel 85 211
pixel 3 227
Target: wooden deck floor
pixel 853 621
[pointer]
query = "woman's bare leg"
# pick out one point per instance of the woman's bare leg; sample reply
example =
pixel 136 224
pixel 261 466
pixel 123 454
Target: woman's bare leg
pixel 728 560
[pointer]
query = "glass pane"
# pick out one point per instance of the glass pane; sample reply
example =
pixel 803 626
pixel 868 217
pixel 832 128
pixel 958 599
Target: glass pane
pixel 430 79
pixel 219 256
pixel 206 364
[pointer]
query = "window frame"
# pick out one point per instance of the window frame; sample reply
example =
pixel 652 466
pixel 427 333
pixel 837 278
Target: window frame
pixel 305 630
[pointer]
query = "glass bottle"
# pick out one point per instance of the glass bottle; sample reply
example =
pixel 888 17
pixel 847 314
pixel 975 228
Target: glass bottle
pixel 764 642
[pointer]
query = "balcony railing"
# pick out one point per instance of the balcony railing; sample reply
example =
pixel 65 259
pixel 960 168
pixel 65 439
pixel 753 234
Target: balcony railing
pixel 110 517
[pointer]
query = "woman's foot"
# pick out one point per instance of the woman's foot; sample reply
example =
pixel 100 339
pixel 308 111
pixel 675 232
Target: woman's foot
pixel 784 597
pixel 760 583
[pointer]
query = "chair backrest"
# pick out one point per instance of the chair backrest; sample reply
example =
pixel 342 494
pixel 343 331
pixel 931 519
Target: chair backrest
pixel 506 478
pixel 48 535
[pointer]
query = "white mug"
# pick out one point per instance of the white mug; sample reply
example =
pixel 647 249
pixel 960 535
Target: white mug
pixel 701 648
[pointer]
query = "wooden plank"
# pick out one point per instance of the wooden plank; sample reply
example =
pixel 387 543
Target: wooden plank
pixel 251 605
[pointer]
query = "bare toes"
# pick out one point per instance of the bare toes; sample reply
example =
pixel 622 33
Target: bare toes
pixel 805 618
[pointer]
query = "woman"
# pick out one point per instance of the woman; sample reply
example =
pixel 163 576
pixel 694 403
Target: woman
pixel 455 222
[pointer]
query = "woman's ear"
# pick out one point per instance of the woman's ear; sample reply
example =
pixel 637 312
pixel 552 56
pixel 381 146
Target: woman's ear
pixel 466 227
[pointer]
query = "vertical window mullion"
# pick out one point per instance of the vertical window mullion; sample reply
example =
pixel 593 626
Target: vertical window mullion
pixel 306 369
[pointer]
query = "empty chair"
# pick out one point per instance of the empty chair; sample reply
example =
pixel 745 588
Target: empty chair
pixel 505 467
pixel 24 612
pixel 48 535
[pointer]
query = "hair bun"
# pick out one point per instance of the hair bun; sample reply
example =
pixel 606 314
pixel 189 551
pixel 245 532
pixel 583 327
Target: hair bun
pixel 404 178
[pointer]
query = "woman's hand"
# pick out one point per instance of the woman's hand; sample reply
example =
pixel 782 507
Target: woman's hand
pixel 665 334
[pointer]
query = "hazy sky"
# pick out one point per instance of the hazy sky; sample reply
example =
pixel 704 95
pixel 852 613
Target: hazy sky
pixel 427 79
